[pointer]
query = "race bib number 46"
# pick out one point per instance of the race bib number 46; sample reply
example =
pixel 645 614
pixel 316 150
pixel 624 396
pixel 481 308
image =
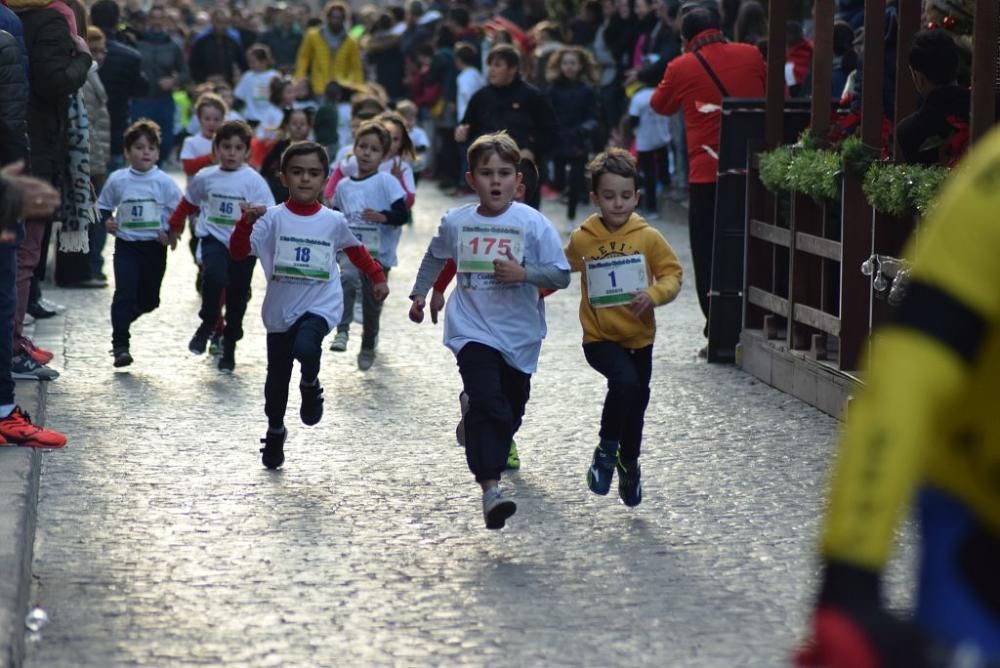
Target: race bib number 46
pixel 139 214
pixel 479 245
pixel 224 210
pixel 612 281
pixel 298 257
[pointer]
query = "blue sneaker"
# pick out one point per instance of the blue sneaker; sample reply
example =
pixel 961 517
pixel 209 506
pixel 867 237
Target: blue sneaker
pixel 601 470
pixel 629 481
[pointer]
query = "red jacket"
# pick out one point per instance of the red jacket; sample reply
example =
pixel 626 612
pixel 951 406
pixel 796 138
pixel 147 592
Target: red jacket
pixel 686 84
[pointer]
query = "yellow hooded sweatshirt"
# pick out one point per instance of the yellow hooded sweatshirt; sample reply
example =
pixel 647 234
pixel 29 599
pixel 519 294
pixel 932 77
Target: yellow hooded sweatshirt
pixel 593 241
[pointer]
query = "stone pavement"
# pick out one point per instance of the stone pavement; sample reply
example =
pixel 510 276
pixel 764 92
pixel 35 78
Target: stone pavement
pixel 162 541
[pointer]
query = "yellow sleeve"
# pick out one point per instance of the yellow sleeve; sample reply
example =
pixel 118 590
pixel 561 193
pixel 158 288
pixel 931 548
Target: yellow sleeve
pixel 572 255
pixel 667 271
pixel 919 364
pixel 304 57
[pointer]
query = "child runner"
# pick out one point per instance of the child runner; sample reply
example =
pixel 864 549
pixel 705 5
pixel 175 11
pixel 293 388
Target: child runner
pixel 295 127
pixel 215 193
pixel 196 152
pixel 421 142
pixel 375 205
pixel 297 244
pixel 254 87
pixel 619 254
pixel 495 322
pixel 142 196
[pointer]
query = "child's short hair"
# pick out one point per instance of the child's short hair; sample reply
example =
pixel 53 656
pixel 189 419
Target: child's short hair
pixel 276 90
pixel 366 103
pixel 407 109
pixel 615 161
pixel 96 36
pixel 466 54
pixel 378 129
pixel 500 143
pixel 142 128
pixel 333 92
pixel 206 100
pixel 935 54
pixel 305 148
pixel 261 52
pixel 406 149
pixel 231 129
pixel 506 53
pixel 286 118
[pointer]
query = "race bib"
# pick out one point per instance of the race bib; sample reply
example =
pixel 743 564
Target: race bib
pixel 262 92
pixel 611 281
pixel 369 234
pixel 479 245
pixel 223 210
pixel 139 214
pixel 301 257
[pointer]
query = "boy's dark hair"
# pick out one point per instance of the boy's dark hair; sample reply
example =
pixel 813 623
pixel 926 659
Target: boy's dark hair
pixel 231 129
pixel 286 118
pixel 261 52
pixel 499 143
pixel 142 128
pixel 615 161
pixel 389 118
pixel 378 129
pixel 305 148
pixel 466 54
pixel 366 103
pixel 105 15
pixel 333 92
pixel 697 21
pixel 506 53
pixel 210 100
pixel 276 89
pixel 459 16
pixel 935 55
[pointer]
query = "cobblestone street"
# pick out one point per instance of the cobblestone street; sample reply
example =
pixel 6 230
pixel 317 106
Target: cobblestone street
pixel 162 541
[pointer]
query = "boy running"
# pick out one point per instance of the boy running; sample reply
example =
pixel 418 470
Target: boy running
pixel 494 321
pixel 619 253
pixel 297 243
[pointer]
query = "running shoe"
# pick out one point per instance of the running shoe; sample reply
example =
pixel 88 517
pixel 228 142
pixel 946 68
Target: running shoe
pixel 17 428
pixel 629 481
pixel 311 410
pixel 366 358
pixel 39 312
pixel 496 508
pixel 339 343
pixel 601 470
pixel 198 342
pixel 513 461
pixel 272 455
pixel 122 356
pixel 227 361
pixel 40 355
pixel 23 367
pixel 215 345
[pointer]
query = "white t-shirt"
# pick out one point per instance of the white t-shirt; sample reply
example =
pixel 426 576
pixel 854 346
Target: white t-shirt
pixel 344 137
pixel 270 121
pixel 143 202
pixel 196 146
pixel 349 168
pixel 218 194
pixel 309 245
pixel 508 317
pixel 469 81
pixel 653 131
pixel 254 88
pixel 377 192
pixel 419 138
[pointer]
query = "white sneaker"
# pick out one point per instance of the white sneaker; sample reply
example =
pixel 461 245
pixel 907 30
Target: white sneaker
pixel 496 508
pixel 339 343
pixel 51 306
pixel 29 319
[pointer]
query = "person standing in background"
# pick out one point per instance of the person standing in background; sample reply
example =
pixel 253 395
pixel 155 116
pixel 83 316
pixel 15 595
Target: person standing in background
pixel 328 53
pixel 164 67
pixel 95 98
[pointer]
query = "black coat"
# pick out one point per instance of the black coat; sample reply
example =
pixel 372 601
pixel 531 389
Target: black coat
pixel 13 102
pixel 575 105
pixel 656 54
pixel 212 54
pixel 520 109
pixel 57 71
pixel 922 134
pixel 123 79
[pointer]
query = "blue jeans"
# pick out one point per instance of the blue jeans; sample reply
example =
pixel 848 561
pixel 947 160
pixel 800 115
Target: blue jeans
pixel 161 110
pixel 628 372
pixel 8 301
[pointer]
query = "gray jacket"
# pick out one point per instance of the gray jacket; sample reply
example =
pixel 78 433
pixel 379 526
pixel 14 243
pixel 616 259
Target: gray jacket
pixel 162 57
pixel 96 100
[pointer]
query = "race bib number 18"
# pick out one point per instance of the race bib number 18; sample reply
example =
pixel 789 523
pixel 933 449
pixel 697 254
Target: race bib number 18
pixel 479 245
pixel 611 281
pixel 297 257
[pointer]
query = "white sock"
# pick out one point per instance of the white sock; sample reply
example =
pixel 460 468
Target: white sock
pixel 6 410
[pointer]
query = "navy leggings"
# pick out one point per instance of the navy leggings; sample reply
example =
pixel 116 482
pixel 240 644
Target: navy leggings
pixel 303 342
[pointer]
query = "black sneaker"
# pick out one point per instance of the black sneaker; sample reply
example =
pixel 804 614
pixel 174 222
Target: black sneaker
pixel 121 355
pixel 198 342
pixel 601 470
pixel 272 455
pixel 311 410
pixel 227 361
pixel 39 312
pixel 629 481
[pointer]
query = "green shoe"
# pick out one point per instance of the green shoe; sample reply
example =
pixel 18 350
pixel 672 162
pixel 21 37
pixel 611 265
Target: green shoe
pixel 513 461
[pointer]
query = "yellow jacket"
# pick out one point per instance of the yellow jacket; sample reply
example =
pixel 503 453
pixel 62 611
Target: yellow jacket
pixel 928 414
pixel 593 241
pixel 322 66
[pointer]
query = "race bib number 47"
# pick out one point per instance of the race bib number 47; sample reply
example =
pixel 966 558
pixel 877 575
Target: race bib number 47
pixel 139 214
pixel 479 245
pixel 298 257
pixel 612 281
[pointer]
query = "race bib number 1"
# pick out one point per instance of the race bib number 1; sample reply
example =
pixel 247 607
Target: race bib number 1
pixel 223 210
pixel 479 245
pixel 611 281
pixel 298 257
pixel 139 214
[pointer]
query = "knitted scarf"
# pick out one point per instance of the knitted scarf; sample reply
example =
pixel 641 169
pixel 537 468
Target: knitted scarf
pixel 79 202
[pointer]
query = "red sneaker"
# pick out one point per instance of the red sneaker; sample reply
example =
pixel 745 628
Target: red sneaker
pixel 17 428
pixel 40 355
